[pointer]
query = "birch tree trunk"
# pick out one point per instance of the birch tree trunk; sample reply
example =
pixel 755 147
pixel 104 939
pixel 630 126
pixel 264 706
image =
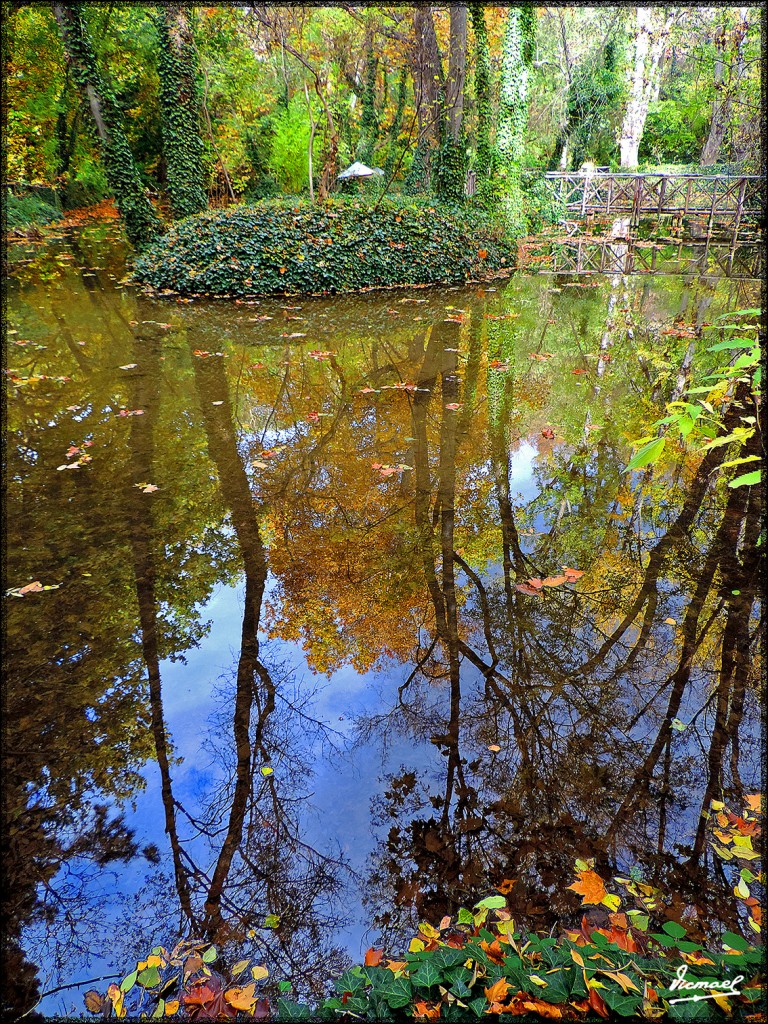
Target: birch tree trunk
pixel 644 73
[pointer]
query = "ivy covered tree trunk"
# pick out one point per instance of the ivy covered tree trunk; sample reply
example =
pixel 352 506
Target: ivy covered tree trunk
pixel 651 36
pixel 179 103
pixel 141 222
pixel 396 127
pixel 517 56
pixel 369 121
pixel 726 87
pixel 452 163
pixel 484 158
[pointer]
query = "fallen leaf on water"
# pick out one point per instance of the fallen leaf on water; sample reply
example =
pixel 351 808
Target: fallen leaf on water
pixel 313 417
pixel 259 465
pixel 241 998
pixel 590 887
pixel 455 405
pixel 30 588
pixel 579 371
pixel 367 391
pixel 505 887
pixel 201 353
pixel 497 364
pixel 754 802
pixel 266 771
pixel 494 748
pixel 548 432
pixel 259 973
pixel 670 621
pixel 217 403
pixel 131 412
pixel 572 574
pixel 239 967
pixel 554 581
pixel 535 582
pixel 373 957
pixel 94 1002
pixel 523 588
pixel 147 488
pixel 297 334
pixel 316 353
pixel 129 366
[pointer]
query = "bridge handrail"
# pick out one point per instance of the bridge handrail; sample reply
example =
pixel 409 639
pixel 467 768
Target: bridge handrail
pixel 651 174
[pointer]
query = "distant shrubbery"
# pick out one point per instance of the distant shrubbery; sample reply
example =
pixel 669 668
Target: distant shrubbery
pixel 289 245
pixel 24 211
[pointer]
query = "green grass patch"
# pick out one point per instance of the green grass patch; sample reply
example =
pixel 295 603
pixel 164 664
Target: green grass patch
pixel 289 245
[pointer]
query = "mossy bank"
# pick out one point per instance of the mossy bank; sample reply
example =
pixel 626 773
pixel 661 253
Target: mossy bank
pixel 292 246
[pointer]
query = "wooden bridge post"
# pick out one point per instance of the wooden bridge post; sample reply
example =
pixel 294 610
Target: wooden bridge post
pixel 736 223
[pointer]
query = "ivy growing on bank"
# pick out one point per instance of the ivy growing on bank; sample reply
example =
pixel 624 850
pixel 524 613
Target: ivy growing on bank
pixel 288 245
pixel 179 103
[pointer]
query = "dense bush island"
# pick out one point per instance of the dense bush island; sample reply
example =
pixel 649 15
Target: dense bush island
pixel 289 245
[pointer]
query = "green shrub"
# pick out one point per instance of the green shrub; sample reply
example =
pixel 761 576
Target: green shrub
pixel 23 211
pixel 284 245
pixel 89 186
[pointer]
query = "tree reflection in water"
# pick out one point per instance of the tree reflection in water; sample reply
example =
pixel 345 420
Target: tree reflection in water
pixel 539 728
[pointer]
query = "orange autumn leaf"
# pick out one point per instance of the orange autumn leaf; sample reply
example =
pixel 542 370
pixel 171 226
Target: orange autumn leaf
pixel 426 1011
pixel 554 581
pixel 590 886
pixel 397 965
pixel 494 950
pixel 506 886
pixel 754 802
pixel 542 1009
pixel 597 1002
pixel 497 993
pixel 373 957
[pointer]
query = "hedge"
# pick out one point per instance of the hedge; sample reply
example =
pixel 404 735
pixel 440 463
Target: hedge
pixel 291 246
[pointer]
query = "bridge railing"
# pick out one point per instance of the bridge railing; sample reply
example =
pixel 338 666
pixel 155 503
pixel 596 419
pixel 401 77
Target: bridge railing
pixel 714 196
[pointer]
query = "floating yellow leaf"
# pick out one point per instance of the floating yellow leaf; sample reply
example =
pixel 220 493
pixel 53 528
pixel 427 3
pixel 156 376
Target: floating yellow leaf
pixel 241 998
pixel 171 1007
pixel 259 973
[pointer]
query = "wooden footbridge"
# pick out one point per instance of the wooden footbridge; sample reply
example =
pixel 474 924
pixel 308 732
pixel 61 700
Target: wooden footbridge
pixel 652 223
pixel 715 196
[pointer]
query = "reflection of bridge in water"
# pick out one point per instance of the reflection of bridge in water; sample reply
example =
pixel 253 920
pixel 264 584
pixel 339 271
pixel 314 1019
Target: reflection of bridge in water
pixel 661 223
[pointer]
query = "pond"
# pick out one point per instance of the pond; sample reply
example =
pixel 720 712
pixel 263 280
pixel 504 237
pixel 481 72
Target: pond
pixel 348 613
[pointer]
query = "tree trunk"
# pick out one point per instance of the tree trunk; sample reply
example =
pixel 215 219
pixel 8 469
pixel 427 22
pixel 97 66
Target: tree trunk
pixel 311 144
pixel 141 222
pixel 450 181
pixel 457 69
pixel 725 92
pixel 182 143
pixel 428 86
pixel 482 91
pixel 513 112
pixel 644 72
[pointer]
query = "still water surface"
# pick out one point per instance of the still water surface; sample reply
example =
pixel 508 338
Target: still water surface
pixel 284 692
